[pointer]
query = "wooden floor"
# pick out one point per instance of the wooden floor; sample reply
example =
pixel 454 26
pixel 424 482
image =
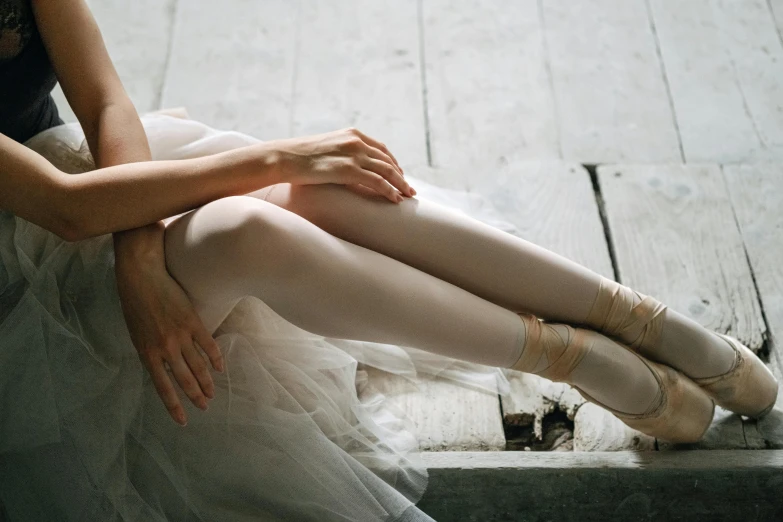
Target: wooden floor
pixel 641 138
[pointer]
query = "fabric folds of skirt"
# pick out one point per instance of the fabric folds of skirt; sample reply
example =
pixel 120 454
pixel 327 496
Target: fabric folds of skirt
pixel 296 430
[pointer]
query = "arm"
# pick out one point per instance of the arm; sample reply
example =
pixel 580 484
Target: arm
pixel 127 196
pixel 157 312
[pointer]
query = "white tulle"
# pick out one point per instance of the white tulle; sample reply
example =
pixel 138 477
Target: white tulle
pixel 296 430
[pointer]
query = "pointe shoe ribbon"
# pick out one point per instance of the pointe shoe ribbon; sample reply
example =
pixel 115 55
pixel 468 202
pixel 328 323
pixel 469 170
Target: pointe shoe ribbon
pixel 547 352
pixel 748 388
pixel 614 314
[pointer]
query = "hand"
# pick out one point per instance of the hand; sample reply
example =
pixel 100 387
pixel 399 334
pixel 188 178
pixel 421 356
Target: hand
pixel 346 157
pixel 165 328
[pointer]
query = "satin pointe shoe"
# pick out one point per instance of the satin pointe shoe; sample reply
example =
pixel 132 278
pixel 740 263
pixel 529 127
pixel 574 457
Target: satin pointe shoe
pixel 680 413
pixel 749 388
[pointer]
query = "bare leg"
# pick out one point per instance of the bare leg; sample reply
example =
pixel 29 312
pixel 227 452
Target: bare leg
pixel 245 246
pixel 501 268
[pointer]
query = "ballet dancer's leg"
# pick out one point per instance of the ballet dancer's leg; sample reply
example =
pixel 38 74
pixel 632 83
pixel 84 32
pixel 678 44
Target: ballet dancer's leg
pixel 489 263
pixel 241 246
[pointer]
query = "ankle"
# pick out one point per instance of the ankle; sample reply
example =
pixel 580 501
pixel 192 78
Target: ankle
pixel 628 316
pixel 550 350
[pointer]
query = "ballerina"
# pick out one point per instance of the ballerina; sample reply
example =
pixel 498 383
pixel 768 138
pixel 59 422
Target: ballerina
pixel 148 258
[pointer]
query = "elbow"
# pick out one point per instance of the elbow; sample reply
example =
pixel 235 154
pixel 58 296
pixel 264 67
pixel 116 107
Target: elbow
pixel 71 233
pixel 69 227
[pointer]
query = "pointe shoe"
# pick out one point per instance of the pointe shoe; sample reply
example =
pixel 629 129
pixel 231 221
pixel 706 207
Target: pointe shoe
pixel 748 388
pixel 681 411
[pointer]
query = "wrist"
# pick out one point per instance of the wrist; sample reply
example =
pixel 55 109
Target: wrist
pixel 270 157
pixel 141 245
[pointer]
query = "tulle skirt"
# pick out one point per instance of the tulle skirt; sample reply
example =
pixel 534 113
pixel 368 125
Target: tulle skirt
pixel 296 430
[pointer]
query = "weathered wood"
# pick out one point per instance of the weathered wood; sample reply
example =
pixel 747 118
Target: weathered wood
pixel 598 430
pixel 676 239
pixel 137 36
pixel 604 61
pixel 532 401
pixel 776 8
pixel 232 64
pixel 488 90
pixel 757 196
pixel 724 62
pixel 447 416
pixel 627 485
pixel 359 65
pixel 553 205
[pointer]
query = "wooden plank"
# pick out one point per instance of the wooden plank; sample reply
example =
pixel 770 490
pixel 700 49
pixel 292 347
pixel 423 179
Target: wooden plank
pixel 530 414
pixel 359 66
pixel 488 96
pixel 723 54
pixel 776 8
pixel 447 416
pixel 626 485
pixel 137 36
pixel 598 430
pixel 604 60
pixel 757 196
pixel 232 64
pixel 676 239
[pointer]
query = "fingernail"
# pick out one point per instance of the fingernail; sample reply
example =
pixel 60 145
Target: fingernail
pixel 181 419
pixel 413 191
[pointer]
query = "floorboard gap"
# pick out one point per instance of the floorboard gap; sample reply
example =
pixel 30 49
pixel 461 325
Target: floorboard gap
pixel 592 169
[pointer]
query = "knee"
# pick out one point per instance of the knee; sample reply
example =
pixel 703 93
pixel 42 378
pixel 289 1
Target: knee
pixel 313 201
pixel 272 237
pixel 244 233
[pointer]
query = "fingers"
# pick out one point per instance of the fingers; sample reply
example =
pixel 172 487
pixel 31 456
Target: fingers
pixel 380 155
pixel 380 185
pixel 166 391
pixel 198 366
pixel 378 145
pixel 187 381
pixel 388 172
pixel 209 345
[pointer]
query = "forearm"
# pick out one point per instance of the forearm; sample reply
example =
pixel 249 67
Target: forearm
pixel 117 137
pixel 123 197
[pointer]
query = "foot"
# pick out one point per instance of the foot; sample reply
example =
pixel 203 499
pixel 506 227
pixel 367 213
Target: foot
pixel 598 365
pixel 666 336
pixel 657 332
pixel 646 396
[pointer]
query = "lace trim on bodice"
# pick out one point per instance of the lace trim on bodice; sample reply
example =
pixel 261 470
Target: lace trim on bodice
pixel 16 28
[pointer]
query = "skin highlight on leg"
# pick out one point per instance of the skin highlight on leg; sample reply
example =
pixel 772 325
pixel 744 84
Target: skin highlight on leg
pixel 244 246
